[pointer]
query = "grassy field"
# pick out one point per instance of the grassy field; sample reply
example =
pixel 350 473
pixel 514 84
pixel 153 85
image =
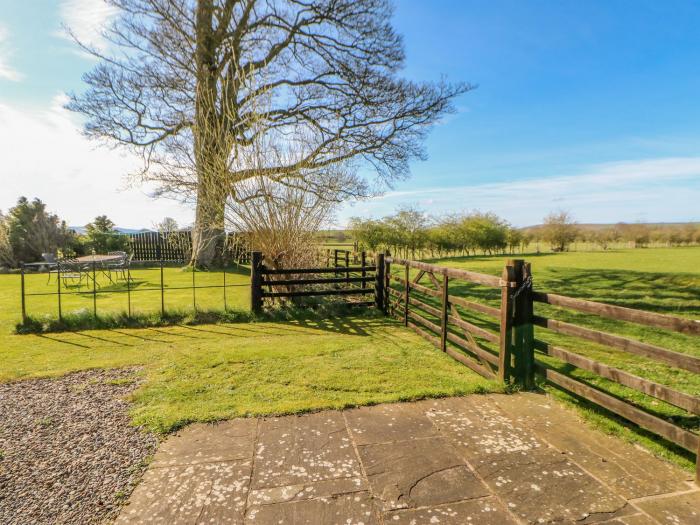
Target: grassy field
pixel 210 372
pixel 218 371
pixel 145 292
pixel 664 280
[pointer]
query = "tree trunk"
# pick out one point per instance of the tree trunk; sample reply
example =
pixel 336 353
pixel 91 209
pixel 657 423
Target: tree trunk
pixel 209 147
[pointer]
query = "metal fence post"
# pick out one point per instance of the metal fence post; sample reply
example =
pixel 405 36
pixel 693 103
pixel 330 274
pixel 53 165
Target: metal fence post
pixel 256 299
pixel 225 305
pixel 24 305
pixel 94 290
pixel 379 282
pixel 194 288
pixel 58 282
pixel 128 289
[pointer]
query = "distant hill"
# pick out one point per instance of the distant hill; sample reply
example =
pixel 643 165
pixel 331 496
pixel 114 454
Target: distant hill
pixel 81 230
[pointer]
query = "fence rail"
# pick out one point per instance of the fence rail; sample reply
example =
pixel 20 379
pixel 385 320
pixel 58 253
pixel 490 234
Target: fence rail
pixel 514 354
pixel 302 282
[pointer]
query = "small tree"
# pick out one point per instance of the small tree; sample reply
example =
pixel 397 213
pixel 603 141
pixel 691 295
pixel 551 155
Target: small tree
pixel 101 236
pixel 31 231
pixel 6 255
pixel 560 230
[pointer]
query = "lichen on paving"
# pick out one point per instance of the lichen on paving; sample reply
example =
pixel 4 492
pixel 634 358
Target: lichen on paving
pixel 68 452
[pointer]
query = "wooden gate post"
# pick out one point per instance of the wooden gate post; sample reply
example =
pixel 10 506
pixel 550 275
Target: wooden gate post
pixel 506 331
pixel 445 311
pixel 379 282
pixel 387 281
pixel 256 299
pixel 525 334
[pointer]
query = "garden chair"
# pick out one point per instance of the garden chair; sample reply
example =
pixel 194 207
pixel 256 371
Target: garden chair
pixel 70 270
pixel 121 265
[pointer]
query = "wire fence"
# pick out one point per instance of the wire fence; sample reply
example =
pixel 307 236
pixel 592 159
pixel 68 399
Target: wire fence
pixel 139 287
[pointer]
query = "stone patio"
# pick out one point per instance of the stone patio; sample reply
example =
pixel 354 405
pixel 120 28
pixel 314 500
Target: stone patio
pixel 486 460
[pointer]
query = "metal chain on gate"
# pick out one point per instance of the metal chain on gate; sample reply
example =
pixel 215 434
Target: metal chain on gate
pixel 526 284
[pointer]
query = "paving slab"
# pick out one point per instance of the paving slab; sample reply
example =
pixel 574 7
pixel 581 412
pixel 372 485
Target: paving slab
pixel 208 442
pixel 674 510
pixel 418 472
pixel 332 487
pixel 303 449
pixel 387 423
pixel 350 509
pixel 630 471
pixel 199 493
pixel 489 459
pixel 536 481
pixel 484 511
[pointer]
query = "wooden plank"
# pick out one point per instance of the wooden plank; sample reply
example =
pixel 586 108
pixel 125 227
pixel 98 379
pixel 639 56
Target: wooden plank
pixel 676 359
pixel 452 353
pixel 649 422
pixel 474 349
pixel 316 293
pixel 650 388
pixel 330 280
pixel 476 330
pixel 477 278
pixel 461 301
pixel 270 271
pixel 620 313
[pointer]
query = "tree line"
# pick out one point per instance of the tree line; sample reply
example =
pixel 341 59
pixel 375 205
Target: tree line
pixel 412 233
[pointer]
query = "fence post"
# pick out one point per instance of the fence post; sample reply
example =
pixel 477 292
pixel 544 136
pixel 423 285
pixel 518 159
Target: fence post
pixel 379 282
pixel 256 298
pixel 94 290
pixel 24 305
pixel 518 320
pixel 347 265
pixel 58 282
pixel 407 291
pixel 524 329
pixel 162 284
pixel 387 282
pixel 506 331
pixel 445 310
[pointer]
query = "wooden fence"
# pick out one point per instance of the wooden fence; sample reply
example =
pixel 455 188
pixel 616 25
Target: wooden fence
pixel 176 246
pixel 514 354
pixel 347 281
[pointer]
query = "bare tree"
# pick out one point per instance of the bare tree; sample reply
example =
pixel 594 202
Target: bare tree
pixel 328 67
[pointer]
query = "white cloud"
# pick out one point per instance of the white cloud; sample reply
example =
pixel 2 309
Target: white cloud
pixel 44 155
pixel 86 19
pixel 7 72
pixel 662 189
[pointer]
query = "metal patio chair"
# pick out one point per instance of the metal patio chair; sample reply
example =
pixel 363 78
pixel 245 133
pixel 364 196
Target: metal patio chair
pixel 70 270
pixel 119 266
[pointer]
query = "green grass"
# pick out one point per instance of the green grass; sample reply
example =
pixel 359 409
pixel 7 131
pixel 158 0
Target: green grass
pixel 211 372
pixel 664 280
pixel 112 298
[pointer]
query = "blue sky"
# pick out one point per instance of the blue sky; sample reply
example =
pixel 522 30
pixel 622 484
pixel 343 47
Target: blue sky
pixel 588 106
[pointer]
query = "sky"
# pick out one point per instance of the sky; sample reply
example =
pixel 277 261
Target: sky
pixel 590 107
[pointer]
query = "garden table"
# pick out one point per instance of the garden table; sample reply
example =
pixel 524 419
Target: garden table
pixel 98 259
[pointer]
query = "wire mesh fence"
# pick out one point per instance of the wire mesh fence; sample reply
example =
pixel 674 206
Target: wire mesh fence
pixel 142 287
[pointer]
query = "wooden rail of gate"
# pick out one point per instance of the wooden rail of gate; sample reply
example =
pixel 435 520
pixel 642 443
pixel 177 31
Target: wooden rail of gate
pixel 511 355
pixel 302 282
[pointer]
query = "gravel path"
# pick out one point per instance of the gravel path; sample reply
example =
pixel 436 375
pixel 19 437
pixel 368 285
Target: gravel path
pixel 68 453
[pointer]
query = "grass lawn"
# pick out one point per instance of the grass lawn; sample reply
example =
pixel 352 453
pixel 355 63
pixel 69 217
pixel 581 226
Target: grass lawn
pixel 664 280
pixel 145 292
pixel 210 372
